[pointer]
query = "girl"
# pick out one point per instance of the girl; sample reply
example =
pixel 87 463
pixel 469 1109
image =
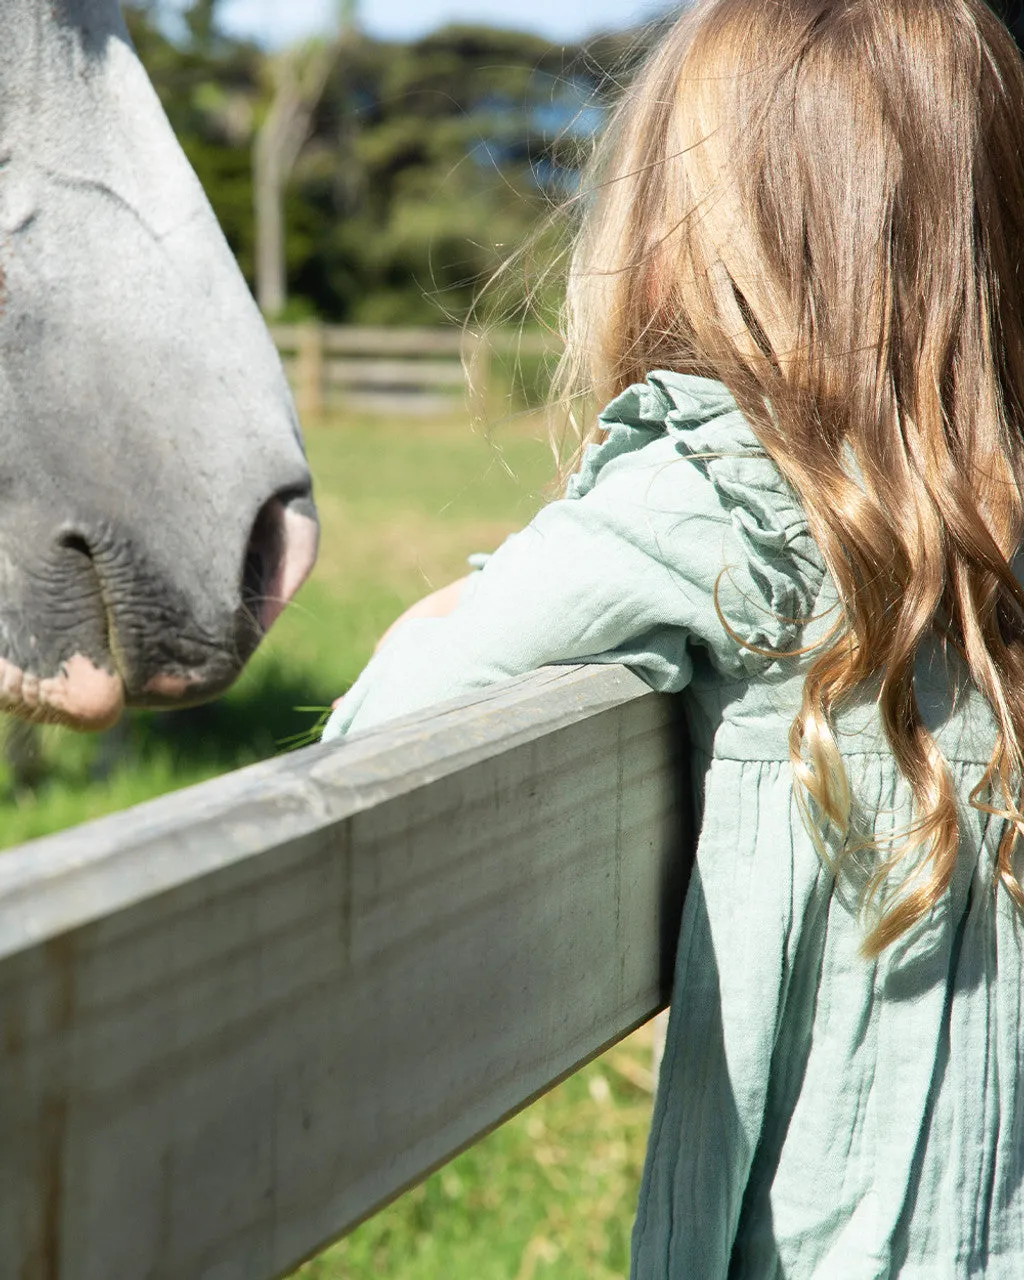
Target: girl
pixel 801 282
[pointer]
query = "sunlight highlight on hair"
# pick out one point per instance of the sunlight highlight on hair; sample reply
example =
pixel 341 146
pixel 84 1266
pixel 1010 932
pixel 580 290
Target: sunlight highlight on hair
pixel 822 205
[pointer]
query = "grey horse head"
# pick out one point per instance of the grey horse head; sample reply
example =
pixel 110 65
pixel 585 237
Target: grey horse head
pixel 155 504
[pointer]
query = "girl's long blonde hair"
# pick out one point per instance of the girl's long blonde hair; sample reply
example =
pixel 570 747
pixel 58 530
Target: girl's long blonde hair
pixel 821 204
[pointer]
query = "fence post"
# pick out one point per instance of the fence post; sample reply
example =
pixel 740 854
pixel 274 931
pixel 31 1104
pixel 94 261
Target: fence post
pixel 309 371
pixel 478 374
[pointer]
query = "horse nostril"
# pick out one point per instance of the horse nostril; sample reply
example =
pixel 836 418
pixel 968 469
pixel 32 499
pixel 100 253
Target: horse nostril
pixel 280 554
pixel 261 556
pixel 69 541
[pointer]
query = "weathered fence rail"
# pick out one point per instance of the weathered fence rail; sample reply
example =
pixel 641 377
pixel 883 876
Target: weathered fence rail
pixel 384 370
pixel 237 1020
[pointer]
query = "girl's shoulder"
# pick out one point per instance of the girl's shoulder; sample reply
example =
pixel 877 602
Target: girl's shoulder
pixel 697 414
pixel 741 515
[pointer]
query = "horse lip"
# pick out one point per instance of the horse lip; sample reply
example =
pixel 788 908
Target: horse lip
pixel 172 687
pixel 89 696
pixel 81 695
pixel 175 687
pixel 90 692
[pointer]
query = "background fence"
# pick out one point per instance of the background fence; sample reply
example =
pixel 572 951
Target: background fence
pixel 428 372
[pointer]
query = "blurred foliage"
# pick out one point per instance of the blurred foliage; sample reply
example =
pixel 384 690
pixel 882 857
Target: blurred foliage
pixel 430 162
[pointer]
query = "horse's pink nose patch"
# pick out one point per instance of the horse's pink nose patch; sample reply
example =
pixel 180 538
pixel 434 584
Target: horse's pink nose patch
pixel 84 695
pixel 299 536
pixel 168 686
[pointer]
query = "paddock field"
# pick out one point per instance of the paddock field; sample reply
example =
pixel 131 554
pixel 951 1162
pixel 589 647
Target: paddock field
pixel 551 1193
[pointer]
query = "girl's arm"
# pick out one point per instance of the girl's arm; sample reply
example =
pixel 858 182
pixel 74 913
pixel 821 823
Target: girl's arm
pixel 677 531
pixel 437 605
pixel 624 573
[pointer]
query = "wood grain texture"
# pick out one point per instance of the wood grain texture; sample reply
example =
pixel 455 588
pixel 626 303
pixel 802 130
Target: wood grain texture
pixel 236 1020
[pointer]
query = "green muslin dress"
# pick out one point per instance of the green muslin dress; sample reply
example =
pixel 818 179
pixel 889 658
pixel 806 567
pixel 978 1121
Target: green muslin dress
pixel 818 1114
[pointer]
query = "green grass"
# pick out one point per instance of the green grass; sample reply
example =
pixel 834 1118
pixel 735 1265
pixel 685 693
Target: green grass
pixel 551 1193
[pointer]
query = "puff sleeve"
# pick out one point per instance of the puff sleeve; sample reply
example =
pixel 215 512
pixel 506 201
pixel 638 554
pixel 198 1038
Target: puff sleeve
pixel 674 532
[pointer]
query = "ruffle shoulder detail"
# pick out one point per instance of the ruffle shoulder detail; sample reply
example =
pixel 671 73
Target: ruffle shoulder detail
pixel 665 404
pixel 768 596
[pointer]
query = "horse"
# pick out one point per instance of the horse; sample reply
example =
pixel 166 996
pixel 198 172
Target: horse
pixel 156 508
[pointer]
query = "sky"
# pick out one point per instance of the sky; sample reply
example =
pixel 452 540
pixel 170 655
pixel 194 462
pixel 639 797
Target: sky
pixel 277 22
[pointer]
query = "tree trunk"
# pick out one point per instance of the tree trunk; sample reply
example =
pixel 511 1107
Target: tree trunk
pixel 268 194
pixel 301 76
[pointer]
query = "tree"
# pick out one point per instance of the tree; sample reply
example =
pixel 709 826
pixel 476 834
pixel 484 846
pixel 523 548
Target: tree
pixel 298 77
pixel 395 177
pixel 461 145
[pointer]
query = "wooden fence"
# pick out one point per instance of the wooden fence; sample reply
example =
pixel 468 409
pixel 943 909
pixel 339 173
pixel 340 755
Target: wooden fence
pixel 393 371
pixel 237 1020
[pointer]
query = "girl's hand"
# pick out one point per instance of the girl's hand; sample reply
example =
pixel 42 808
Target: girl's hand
pixel 436 605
